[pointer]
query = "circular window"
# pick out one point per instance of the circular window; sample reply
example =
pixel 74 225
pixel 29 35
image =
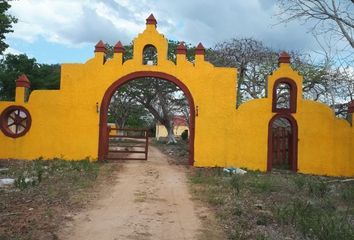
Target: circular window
pixel 15 121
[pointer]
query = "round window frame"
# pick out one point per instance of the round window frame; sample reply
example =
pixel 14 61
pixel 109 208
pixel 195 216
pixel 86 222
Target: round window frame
pixel 4 121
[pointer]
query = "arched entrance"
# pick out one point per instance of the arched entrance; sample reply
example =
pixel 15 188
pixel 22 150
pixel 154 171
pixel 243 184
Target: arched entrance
pixel 103 129
pixel 282 142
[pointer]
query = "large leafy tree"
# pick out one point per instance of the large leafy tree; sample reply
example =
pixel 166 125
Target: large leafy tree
pixel 161 98
pixel 125 111
pixel 42 76
pixel 6 21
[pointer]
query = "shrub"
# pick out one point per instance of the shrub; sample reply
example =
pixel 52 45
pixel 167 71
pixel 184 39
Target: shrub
pixel 235 182
pixel 316 222
pixel 262 184
pixel 317 188
pixel 184 135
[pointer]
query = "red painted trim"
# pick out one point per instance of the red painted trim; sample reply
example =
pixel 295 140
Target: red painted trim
pixel 100 47
pixel 284 58
pixel 351 107
pixel 3 121
pixel 293 96
pixel 151 20
pixel 103 129
pixel 293 154
pixel 200 50
pixel 181 49
pixel 118 48
pixel 23 81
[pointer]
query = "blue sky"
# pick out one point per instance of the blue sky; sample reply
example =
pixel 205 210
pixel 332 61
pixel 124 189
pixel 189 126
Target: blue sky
pixel 65 31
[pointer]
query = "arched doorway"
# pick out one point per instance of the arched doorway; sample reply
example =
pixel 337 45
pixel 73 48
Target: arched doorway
pixel 103 128
pixel 282 142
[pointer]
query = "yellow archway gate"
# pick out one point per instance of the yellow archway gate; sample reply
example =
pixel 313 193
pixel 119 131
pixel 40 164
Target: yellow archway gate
pixel 69 123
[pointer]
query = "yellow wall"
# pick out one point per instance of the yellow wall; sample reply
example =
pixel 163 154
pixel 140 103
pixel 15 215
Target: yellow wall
pixel 65 122
pixel 325 143
pixel 161 130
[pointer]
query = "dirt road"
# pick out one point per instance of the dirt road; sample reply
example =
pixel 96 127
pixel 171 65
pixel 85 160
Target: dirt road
pixel 150 200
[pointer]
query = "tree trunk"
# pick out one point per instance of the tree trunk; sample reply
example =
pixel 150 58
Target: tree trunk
pixel 119 126
pixel 170 135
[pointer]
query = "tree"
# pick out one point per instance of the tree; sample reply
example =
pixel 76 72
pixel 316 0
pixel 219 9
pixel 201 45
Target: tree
pixel 334 16
pixel 125 111
pixel 334 80
pixel 323 81
pixel 159 97
pixel 6 22
pixel 253 60
pixel 42 76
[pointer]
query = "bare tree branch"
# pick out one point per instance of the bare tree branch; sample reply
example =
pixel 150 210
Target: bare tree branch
pixel 335 16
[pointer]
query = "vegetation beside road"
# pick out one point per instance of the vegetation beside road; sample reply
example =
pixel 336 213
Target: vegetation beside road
pixel 45 194
pixel 177 151
pixel 277 205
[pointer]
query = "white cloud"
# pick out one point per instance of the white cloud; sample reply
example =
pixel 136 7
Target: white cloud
pixel 11 50
pixel 86 21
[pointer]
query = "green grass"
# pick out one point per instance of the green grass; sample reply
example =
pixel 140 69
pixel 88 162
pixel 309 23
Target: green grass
pixel 277 205
pixel 317 220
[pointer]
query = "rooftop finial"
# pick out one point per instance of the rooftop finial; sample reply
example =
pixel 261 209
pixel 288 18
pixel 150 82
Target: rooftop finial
pixel 181 48
pixel 100 47
pixel 351 107
pixel 23 81
pixel 118 48
pixel 284 57
pixel 200 50
pixel 151 20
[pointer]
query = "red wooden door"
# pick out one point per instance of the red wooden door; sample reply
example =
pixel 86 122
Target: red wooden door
pixel 281 148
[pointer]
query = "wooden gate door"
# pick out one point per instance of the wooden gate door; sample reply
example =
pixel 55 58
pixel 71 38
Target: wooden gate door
pixel 282 148
pixel 127 144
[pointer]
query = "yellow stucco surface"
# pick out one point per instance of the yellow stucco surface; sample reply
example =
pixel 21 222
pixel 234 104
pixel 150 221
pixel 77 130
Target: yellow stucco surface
pixel 161 130
pixel 65 122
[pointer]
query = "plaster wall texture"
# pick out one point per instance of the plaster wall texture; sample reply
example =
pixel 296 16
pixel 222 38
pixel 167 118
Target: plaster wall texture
pixel 65 122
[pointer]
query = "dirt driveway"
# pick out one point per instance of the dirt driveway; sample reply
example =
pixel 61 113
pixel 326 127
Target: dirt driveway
pixel 150 200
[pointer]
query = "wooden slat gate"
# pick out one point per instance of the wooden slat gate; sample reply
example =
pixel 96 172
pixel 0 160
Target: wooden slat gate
pixel 281 147
pixel 127 144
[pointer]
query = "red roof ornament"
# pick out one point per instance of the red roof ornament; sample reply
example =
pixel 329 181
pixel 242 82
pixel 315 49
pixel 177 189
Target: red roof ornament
pixel 181 48
pixel 118 48
pixel 100 47
pixel 23 81
pixel 151 20
pixel 284 58
pixel 351 107
pixel 200 50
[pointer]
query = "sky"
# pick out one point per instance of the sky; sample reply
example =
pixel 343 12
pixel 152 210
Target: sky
pixel 66 31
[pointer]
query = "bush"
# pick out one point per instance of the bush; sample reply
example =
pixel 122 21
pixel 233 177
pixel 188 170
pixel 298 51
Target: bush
pixel 184 135
pixel 235 182
pixel 318 188
pixel 316 222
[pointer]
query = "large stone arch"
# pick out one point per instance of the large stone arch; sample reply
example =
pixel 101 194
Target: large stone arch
pixel 102 146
